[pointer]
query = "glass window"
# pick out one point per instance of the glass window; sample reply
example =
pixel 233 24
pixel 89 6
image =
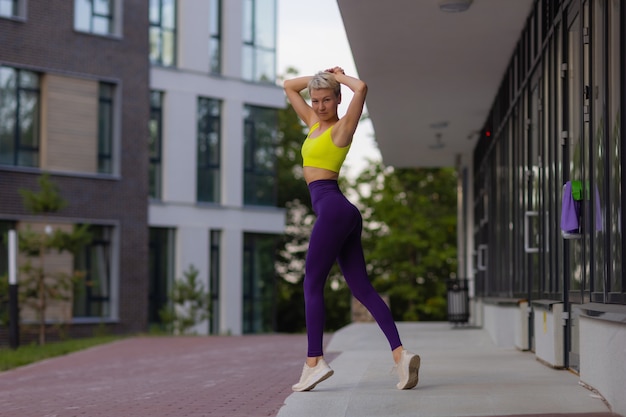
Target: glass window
pixel 94 16
pixel 258 283
pixel 260 136
pixel 598 151
pixel 156 141
pixel 163 32
pixel 8 8
pixel 215 37
pixel 617 283
pixel 209 137
pixel 259 40
pixel 19 117
pixel 5 226
pixel 105 129
pixel 92 295
pixel 214 280
pixel 161 271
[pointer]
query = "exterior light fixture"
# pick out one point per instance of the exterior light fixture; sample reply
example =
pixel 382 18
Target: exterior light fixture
pixel 454 6
pixel 438 143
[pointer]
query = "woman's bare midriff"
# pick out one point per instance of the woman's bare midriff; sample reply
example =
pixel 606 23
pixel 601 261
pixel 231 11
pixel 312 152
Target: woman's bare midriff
pixel 313 174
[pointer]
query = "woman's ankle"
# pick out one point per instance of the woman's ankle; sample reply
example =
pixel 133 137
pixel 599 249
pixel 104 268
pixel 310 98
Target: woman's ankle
pixel 312 361
pixel 397 353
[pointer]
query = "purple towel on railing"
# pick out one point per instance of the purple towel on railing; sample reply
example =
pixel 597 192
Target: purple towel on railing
pixel 569 212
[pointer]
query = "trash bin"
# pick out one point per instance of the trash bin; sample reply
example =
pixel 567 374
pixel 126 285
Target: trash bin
pixel 458 301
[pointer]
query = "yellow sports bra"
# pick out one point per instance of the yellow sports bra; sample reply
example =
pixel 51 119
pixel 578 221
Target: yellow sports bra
pixel 321 152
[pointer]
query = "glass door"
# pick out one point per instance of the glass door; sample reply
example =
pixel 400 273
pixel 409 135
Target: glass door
pixel 535 242
pixel 575 163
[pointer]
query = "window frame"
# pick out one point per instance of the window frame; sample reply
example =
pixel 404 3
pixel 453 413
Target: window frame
pixel 113 18
pixel 18 9
pixel 156 145
pixel 157 28
pixel 215 249
pixel 108 238
pixel 215 37
pixel 19 147
pixel 254 173
pixel 208 168
pixel 106 137
pixel 253 50
pixel 259 286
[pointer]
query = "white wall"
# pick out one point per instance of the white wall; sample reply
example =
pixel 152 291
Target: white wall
pixel 231 283
pixel 603 360
pixel 178 209
pixel 193 34
pixel 549 334
pixel 499 321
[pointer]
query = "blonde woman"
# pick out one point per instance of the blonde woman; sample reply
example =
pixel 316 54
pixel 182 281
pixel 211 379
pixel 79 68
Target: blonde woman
pixel 336 235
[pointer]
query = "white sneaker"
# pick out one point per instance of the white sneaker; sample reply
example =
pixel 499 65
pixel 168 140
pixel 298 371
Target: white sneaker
pixel 312 376
pixel 408 370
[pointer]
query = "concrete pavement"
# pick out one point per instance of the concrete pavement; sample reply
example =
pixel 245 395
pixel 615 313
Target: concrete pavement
pixel 463 374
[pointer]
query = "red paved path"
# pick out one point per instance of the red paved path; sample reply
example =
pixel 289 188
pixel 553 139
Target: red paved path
pixel 236 376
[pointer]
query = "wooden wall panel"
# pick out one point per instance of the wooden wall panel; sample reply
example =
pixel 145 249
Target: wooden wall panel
pixel 69 124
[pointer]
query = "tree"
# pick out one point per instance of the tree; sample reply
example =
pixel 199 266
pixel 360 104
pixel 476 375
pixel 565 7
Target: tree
pixel 190 303
pixel 39 285
pixel 409 236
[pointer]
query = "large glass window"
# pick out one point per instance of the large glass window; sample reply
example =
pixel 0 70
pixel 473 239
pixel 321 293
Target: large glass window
pixel 156 141
pixel 260 130
pixel 598 153
pixel 215 37
pixel 161 271
pixel 92 295
pixel 566 126
pixel 94 16
pixel 5 226
pixel 105 128
pixel 258 283
pixel 259 40
pixel 617 283
pixel 208 165
pixel 19 117
pixel 575 162
pixel 8 8
pixel 163 32
pixel 214 280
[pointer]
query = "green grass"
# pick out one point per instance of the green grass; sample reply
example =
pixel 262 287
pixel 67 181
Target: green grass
pixel 27 354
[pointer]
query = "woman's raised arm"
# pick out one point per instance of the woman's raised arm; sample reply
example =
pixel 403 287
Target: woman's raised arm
pixel 293 87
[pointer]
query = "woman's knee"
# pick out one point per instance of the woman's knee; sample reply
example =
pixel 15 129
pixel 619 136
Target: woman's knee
pixel 313 287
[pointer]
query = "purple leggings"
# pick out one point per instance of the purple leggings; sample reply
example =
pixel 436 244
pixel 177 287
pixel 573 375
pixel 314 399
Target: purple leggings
pixel 336 235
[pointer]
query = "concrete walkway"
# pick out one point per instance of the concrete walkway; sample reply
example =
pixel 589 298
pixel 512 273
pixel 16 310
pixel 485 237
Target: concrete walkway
pixel 463 374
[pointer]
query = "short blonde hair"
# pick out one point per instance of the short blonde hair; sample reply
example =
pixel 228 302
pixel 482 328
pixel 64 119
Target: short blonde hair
pixel 323 80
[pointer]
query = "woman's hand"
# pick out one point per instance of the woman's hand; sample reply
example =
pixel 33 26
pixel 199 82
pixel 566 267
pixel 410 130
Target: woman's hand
pixel 336 70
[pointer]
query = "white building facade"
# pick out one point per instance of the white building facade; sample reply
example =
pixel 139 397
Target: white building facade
pixel 213 124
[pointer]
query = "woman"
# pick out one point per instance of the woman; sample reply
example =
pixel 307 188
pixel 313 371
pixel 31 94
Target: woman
pixel 336 234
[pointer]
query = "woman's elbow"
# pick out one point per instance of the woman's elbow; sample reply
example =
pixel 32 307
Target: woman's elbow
pixel 361 88
pixel 289 85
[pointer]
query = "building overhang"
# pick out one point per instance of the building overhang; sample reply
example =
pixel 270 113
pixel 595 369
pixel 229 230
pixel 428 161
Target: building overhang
pixel 432 75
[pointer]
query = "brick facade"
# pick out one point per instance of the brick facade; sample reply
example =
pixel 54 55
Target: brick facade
pixel 46 42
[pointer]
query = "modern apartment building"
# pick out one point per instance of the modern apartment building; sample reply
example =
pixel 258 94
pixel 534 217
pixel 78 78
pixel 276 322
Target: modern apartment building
pixel 157 120
pixel 74 87
pixel 213 128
